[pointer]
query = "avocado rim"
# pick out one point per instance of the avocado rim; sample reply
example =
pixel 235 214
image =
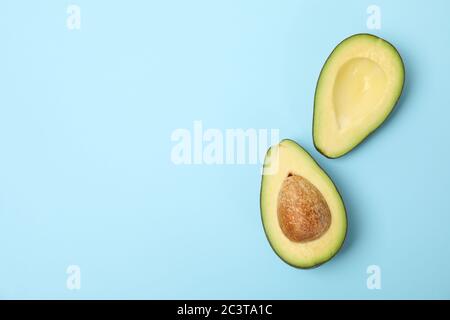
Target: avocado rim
pixel 369 133
pixel 340 196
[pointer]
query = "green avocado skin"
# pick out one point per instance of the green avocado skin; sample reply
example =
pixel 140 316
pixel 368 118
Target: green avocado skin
pixel 267 237
pixel 369 133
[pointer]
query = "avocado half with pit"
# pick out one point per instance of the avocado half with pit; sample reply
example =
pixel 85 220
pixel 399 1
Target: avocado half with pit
pixel 303 215
pixel 358 87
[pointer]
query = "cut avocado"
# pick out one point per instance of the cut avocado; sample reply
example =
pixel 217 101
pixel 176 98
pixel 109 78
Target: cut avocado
pixel 303 215
pixel 358 87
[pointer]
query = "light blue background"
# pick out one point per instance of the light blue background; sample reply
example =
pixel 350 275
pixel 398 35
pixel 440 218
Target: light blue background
pixel 85 171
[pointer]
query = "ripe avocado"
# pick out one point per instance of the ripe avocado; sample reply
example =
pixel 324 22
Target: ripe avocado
pixel 358 87
pixel 303 215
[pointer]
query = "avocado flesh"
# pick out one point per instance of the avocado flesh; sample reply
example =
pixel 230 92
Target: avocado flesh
pixel 283 160
pixel 358 87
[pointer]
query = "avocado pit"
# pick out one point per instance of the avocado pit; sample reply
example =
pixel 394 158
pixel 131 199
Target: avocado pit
pixel 303 213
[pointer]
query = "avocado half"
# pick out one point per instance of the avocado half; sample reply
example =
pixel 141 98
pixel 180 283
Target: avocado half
pixel 358 87
pixel 303 215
